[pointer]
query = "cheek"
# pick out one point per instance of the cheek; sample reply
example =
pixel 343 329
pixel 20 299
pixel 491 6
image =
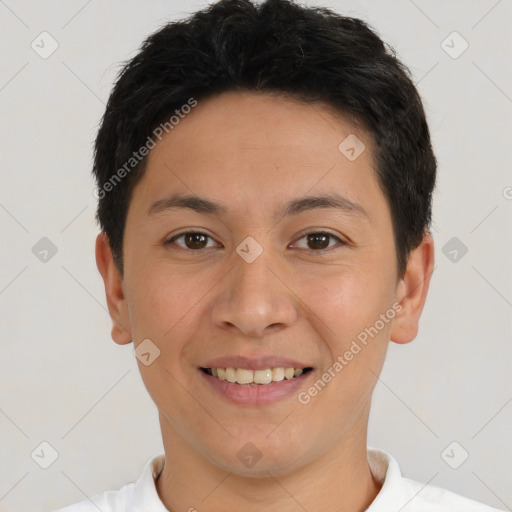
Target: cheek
pixel 347 306
pixel 164 309
pixel 346 300
pixel 163 301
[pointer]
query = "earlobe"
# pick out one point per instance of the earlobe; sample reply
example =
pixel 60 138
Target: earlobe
pixel 116 301
pixel 412 291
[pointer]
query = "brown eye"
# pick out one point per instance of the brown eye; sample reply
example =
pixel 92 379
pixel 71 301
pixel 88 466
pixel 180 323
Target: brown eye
pixel 195 240
pixel 318 240
pixel 191 240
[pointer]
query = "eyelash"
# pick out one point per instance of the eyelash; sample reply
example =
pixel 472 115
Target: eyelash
pixel 180 235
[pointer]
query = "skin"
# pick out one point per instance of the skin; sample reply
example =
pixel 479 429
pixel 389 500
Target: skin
pixel 252 153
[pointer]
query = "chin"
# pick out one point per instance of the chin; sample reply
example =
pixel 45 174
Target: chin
pixel 260 459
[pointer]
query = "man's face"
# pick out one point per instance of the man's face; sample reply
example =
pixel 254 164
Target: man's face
pixel 213 300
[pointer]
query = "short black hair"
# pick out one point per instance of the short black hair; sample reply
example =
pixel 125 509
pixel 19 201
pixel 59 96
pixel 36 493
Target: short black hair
pixel 310 54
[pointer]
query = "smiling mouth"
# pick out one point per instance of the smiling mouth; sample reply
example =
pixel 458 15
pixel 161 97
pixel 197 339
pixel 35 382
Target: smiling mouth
pixel 262 377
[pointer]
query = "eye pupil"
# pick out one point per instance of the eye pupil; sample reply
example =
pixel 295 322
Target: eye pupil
pixel 321 240
pixel 195 240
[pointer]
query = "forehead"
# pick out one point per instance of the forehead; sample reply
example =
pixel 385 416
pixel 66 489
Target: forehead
pixel 254 149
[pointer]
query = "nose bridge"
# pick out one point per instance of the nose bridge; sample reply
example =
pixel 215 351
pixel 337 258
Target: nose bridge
pixel 254 298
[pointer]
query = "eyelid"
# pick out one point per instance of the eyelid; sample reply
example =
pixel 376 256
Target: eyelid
pixel 315 231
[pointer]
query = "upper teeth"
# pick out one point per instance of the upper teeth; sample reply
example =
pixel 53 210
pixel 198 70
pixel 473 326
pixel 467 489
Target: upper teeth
pixel 266 376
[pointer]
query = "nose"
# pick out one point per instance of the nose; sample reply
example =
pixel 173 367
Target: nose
pixel 255 298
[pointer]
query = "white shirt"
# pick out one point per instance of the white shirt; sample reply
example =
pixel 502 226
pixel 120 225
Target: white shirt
pixel 398 494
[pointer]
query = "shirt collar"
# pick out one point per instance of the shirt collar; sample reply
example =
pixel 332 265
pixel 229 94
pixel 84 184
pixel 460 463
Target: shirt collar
pixel 383 466
pixel 386 471
pixel 145 496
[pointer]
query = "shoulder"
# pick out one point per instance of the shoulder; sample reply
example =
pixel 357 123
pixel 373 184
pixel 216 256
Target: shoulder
pixel 109 501
pixel 435 499
pixel 399 493
pixel 134 496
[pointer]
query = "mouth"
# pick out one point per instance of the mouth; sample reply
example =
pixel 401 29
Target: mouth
pixel 262 377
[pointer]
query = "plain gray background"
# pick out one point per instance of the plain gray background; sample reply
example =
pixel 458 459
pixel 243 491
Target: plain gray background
pixel 65 382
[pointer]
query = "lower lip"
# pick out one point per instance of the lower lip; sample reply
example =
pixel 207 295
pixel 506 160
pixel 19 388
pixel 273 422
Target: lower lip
pixel 259 394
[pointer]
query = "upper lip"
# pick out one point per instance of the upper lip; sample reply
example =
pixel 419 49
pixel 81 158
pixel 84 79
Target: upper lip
pixel 253 363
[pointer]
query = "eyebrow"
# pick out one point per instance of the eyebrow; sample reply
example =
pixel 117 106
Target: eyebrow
pixel 294 207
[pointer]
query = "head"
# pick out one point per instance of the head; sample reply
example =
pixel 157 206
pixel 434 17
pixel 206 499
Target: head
pixel 247 110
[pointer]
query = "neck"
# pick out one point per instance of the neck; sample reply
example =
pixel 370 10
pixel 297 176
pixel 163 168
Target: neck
pixel 341 476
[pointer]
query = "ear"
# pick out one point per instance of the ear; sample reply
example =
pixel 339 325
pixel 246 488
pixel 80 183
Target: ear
pixel 116 302
pixel 412 291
